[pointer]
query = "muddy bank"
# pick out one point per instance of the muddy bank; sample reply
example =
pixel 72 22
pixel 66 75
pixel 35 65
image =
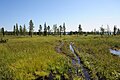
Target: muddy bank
pixel 58 48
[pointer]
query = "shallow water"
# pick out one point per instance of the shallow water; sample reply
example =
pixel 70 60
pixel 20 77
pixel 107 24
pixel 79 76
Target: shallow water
pixel 117 52
pixel 84 70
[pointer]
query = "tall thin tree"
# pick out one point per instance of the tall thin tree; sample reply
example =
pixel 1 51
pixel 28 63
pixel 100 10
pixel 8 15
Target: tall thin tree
pixel 40 29
pixel 102 30
pixel 114 30
pixel 55 29
pixel 118 31
pixel 58 31
pixel 64 29
pixel 21 30
pixel 108 30
pixel 60 27
pixel 24 30
pixel 45 29
pixel 3 32
pixel 95 31
pixel 31 27
pixel 80 29
pixel 17 31
pixel 48 28
pixel 14 30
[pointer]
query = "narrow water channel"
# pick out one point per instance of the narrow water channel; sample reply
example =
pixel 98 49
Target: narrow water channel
pixel 116 52
pixel 84 70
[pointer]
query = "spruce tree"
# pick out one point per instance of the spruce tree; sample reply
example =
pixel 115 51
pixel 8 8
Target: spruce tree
pixel 31 27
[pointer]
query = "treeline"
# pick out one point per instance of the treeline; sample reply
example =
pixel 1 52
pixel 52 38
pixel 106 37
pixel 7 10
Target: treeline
pixel 46 30
pixel 19 30
pixel 103 31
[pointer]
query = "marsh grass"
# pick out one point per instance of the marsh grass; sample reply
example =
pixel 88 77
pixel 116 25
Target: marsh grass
pixel 95 54
pixel 26 58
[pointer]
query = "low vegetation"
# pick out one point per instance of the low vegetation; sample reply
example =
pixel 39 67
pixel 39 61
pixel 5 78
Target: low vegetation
pixel 95 55
pixel 31 58
pixel 23 57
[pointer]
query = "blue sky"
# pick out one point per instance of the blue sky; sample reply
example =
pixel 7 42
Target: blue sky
pixel 89 13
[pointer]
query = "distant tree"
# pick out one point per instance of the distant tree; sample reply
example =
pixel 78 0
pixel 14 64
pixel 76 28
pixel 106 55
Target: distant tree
pixel 64 32
pixel 24 30
pixel 58 31
pixel 118 31
pixel 55 29
pixel 6 32
pixel 76 32
pixel 21 30
pixel 114 30
pixel 31 26
pixel 102 30
pixel 48 28
pixel 17 31
pixel 97 32
pixel 70 33
pixel 80 29
pixel 3 32
pixel 108 30
pixel 40 30
pixel 60 27
pixel 45 29
pixel 94 31
pixel 14 30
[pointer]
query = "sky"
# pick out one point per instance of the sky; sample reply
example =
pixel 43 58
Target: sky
pixel 91 14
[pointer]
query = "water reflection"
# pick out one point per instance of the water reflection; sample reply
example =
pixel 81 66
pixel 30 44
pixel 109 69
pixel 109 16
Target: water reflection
pixel 117 52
